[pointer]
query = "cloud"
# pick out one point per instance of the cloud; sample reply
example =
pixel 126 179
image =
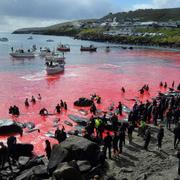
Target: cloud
pixel 43 12
pixel 155 4
pixel 55 9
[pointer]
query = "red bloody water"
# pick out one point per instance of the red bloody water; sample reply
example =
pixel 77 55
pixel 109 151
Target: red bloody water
pixel 104 79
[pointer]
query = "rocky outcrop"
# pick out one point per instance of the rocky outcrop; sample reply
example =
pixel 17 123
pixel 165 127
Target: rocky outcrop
pixel 58 155
pixel 67 172
pixel 81 148
pixel 73 148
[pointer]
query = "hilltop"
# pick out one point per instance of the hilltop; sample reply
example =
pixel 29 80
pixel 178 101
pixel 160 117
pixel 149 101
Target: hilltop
pixel 147 15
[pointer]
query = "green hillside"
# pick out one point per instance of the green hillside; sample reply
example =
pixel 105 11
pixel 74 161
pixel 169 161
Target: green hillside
pixel 147 15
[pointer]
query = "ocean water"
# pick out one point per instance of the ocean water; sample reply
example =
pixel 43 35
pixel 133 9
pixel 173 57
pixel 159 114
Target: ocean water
pixel 101 72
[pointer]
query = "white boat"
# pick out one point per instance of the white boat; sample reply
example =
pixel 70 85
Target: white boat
pixel 4 39
pixel 55 57
pixel 54 68
pixel 20 53
pixel 45 52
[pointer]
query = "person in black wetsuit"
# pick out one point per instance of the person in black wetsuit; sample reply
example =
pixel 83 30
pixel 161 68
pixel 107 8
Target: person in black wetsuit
pixel 26 102
pixel 120 108
pixel 93 109
pixel 178 88
pixel 61 103
pixel 123 90
pixel 65 105
pixel 33 100
pixel 48 149
pixel 58 108
pixel 160 136
pixel 176 135
pixel 115 143
pixel 161 84
pixel 108 144
pixel 58 135
pixel 121 140
pixel 178 156
pixel 147 138
pixel 4 156
pixel 165 85
pixel 130 130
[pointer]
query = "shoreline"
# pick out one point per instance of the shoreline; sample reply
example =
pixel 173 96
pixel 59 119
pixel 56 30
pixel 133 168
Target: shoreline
pixel 116 44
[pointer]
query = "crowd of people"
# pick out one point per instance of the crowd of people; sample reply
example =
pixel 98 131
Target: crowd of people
pixel 109 132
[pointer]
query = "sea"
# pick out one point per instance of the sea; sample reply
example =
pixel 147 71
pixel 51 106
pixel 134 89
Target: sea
pixel 86 73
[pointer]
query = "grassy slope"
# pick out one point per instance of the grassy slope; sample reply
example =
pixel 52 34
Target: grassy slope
pixel 148 15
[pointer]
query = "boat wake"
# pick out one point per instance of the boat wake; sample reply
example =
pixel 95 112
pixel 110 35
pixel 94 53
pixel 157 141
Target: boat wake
pixel 35 77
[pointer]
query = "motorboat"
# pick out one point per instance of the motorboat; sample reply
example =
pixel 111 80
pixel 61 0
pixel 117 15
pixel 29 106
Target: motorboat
pixel 54 67
pixel 45 52
pixel 55 57
pixel 50 40
pixel 63 48
pixel 4 39
pixel 20 53
pixel 90 48
pixel 30 38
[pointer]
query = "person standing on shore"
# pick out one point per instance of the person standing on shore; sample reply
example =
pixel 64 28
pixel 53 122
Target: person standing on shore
pixel 48 149
pixel 160 136
pixel 130 130
pixel 178 156
pixel 108 144
pixel 120 108
pixel 115 143
pixel 176 135
pixel 147 138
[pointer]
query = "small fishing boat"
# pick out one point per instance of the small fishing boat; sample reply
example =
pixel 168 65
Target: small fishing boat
pixel 90 48
pixel 54 67
pixel 55 57
pixel 4 39
pixel 45 52
pixel 30 38
pixel 20 53
pixel 63 48
pixel 50 40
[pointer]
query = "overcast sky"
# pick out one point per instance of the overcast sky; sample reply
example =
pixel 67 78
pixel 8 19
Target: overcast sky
pixel 30 13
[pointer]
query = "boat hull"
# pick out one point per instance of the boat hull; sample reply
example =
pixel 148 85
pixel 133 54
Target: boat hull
pixel 54 70
pixel 88 49
pixel 63 49
pixel 54 59
pixel 22 55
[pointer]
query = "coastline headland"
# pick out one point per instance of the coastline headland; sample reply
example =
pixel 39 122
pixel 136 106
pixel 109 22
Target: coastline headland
pixel 149 27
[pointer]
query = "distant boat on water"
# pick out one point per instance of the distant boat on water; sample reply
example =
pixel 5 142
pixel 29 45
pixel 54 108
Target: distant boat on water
pixel 50 40
pixel 4 39
pixel 30 38
pixel 90 48
pixel 63 48
pixel 55 57
pixel 20 53
pixel 45 52
pixel 54 67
